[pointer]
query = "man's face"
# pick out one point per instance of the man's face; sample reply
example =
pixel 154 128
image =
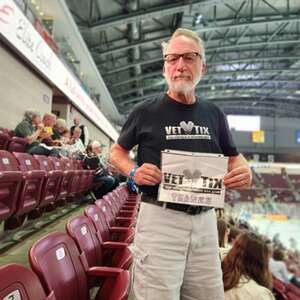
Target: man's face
pixel 183 75
pixel 77 133
pixel 77 121
pixel 36 120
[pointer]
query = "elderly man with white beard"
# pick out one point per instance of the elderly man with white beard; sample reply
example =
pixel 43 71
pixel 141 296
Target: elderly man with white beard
pixel 176 247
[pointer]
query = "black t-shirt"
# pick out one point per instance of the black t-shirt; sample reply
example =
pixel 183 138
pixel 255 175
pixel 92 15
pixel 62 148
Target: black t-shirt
pixel 164 123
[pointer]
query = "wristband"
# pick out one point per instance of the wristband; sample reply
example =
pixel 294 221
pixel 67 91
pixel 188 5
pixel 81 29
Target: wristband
pixel 132 185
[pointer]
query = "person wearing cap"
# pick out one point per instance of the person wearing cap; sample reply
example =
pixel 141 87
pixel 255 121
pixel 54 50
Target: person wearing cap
pixel 176 245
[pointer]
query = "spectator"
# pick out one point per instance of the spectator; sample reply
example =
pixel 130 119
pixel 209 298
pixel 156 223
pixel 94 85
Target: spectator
pixel 92 162
pixel 76 148
pixel 245 269
pixel 49 120
pixel 279 268
pixel 58 129
pixel 32 129
pixel 84 136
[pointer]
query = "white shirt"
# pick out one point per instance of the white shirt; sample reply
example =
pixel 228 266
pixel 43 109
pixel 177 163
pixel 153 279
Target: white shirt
pixel 279 270
pixel 248 289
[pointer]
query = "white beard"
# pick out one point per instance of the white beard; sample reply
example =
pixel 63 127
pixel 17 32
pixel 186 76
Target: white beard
pixel 183 87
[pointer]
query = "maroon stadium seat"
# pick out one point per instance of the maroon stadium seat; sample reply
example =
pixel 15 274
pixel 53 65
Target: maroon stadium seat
pixel 56 260
pixel 10 184
pixel 18 282
pixel 17 144
pixel 4 140
pixel 120 234
pixel 82 230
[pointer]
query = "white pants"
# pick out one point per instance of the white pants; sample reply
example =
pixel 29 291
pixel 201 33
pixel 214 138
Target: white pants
pixel 176 256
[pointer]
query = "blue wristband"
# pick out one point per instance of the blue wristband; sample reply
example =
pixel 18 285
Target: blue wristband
pixel 132 185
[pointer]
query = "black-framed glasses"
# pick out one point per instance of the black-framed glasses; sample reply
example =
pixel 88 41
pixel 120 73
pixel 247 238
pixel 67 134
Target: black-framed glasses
pixel 187 57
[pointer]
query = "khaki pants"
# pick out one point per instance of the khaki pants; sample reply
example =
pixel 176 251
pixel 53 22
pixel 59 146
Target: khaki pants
pixel 176 256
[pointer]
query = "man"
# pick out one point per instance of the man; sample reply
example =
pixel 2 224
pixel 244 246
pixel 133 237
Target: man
pixel 49 121
pixel 176 247
pixel 76 148
pixel 84 131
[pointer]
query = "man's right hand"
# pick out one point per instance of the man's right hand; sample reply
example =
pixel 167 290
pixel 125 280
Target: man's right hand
pixel 147 174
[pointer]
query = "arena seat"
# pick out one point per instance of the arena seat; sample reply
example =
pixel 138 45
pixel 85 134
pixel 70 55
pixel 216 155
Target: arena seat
pixel 17 144
pixel 120 234
pixel 10 184
pixel 67 176
pixel 292 296
pixel 49 189
pixel 18 282
pixel 4 140
pixel 69 271
pixel 111 218
pixel 74 185
pixel 83 232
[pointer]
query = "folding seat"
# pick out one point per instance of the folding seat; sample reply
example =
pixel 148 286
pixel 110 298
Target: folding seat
pixel 118 210
pixel 108 233
pixel 121 206
pixel 63 270
pixel 292 296
pixel 111 218
pixel 67 176
pixel 74 187
pixel 293 289
pixel 85 180
pixel 90 242
pixel 49 189
pixel 10 184
pixel 18 282
pixel 29 195
pixel 17 144
pixel 4 140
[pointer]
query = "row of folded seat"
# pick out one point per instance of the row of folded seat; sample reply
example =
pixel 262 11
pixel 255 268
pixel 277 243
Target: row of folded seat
pixel 29 184
pixel 10 142
pixel 94 252
pixel 285 291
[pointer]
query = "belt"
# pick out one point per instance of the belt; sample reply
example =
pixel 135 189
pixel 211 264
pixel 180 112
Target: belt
pixel 189 209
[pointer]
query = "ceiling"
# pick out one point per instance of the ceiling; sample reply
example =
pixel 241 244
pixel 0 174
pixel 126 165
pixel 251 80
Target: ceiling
pixel 252 50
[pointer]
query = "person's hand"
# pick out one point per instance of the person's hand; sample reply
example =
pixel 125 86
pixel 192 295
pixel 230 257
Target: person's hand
pixel 238 178
pixel 147 174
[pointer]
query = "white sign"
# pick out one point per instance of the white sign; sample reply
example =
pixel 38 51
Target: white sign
pixel 15 27
pixel 193 178
pixel 15 295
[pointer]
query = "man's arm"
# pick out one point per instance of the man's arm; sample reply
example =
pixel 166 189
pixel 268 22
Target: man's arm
pixel 146 174
pixel 239 173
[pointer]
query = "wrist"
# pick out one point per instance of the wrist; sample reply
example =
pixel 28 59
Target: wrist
pixel 132 173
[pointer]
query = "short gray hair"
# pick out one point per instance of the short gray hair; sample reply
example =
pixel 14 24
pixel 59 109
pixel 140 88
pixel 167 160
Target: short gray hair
pixel 29 115
pixel 189 34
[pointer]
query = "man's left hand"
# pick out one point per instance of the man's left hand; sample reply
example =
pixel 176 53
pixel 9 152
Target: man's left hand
pixel 238 178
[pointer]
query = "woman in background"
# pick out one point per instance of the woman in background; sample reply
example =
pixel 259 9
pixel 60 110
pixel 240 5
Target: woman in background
pixel 245 269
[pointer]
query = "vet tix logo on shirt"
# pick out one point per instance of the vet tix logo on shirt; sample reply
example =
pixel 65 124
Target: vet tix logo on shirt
pixel 187 131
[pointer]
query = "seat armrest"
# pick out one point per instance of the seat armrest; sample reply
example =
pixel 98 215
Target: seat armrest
pixel 11 176
pixel 117 229
pixel 51 296
pixel 114 245
pixel 104 271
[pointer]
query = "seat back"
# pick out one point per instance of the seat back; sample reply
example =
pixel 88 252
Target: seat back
pixel 83 232
pixel 94 213
pixel 10 184
pixel 107 212
pixel 17 144
pixel 44 163
pixel 18 282
pixel 55 259
pixel 26 161
pixel 4 140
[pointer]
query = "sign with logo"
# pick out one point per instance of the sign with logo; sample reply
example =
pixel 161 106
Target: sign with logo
pixel 193 178
pixel 258 136
pixel 19 32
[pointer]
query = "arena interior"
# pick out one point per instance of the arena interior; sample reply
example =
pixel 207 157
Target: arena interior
pixel 94 60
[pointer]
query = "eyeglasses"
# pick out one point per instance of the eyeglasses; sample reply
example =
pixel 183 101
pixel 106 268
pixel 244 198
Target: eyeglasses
pixel 188 57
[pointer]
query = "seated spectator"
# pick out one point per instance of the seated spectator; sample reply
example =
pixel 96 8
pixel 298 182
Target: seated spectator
pixel 92 162
pixel 84 136
pixel 279 269
pixel 34 131
pixel 245 269
pixel 58 129
pixel 49 121
pixel 223 233
pixel 76 148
